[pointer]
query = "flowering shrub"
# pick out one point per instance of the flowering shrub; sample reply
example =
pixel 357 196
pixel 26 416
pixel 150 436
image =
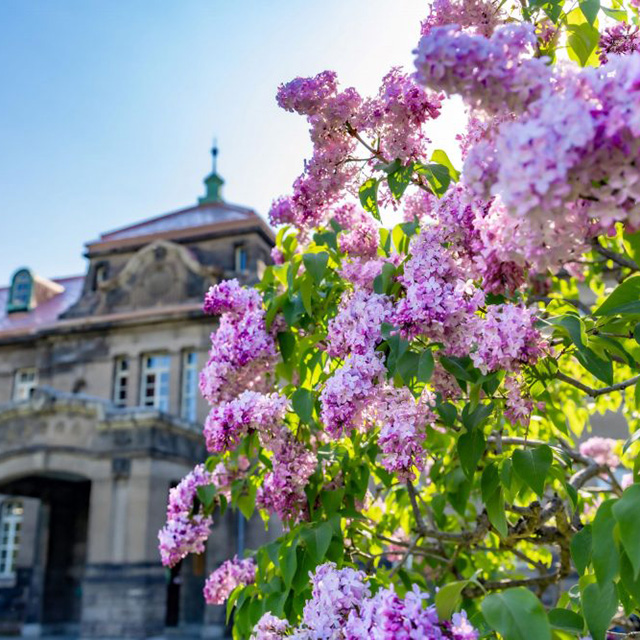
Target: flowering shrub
pixel 413 401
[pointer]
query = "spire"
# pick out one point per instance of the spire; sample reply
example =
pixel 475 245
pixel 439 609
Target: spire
pixel 213 181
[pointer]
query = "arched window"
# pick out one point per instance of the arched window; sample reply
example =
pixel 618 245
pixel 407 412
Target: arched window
pixel 21 291
pixel 10 525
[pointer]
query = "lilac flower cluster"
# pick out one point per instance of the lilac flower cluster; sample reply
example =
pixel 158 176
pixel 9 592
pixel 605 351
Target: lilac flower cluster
pixel 439 299
pixel 185 532
pixel 359 236
pixel 361 272
pixel 601 450
pixel 506 338
pixel 228 422
pixel 326 174
pixel 282 489
pixel 476 16
pixel 229 575
pixel 403 423
pixel 242 350
pixel 496 74
pixel 518 406
pixel 621 39
pixel 356 328
pixel 347 392
pixel 396 117
pixel 567 168
pixel 341 607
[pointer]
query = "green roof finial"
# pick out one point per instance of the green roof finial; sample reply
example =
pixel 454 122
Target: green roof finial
pixel 213 181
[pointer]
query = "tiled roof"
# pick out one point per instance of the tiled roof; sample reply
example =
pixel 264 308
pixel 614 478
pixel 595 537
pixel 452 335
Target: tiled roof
pixel 46 312
pixel 198 216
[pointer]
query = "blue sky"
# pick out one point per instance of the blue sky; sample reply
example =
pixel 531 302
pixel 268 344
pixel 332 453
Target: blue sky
pixel 108 107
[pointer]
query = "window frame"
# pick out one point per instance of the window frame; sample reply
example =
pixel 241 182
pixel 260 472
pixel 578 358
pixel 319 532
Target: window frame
pixel 17 396
pixel 11 546
pixel 159 401
pixel 239 251
pixel 189 392
pixel 121 376
pixel 14 306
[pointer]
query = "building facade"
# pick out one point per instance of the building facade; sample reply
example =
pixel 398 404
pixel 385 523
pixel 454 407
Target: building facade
pixel 100 415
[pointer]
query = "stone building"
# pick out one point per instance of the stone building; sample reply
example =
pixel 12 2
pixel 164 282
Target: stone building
pixel 100 414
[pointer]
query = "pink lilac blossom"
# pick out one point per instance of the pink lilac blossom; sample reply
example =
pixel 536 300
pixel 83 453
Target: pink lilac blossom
pixel 621 39
pixel 347 392
pixel 242 351
pixel 228 422
pixel 506 338
pixel 396 117
pixel 282 490
pixel 403 423
pixel 224 474
pixel 496 74
pixel 439 299
pixel 359 235
pixel 335 593
pixel 361 273
pixel 270 628
pixel 326 174
pixel 386 616
pixel 185 532
pixel 601 450
pixel 356 328
pixel 341 608
pixel 518 406
pixel 476 16
pixel 229 575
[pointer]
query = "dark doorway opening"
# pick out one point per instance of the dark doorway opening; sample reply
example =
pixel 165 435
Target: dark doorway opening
pixel 56 592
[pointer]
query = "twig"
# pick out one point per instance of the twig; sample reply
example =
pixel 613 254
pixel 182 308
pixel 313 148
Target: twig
pixel 594 393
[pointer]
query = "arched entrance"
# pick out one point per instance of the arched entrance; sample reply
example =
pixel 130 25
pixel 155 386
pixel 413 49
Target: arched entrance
pixel 57 547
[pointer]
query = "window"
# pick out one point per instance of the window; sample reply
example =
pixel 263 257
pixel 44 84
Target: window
pixel 241 258
pixel 189 385
pixel 10 524
pixel 25 381
pixel 154 390
pixel 121 382
pixel 21 291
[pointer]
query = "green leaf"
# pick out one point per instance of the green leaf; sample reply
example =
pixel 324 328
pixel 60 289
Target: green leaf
pixel 590 10
pixel 318 540
pixel 626 511
pixel 471 446
pixel 617 14
pixel 399 181
pixel 332 500
pixel 287 344
pixel 566 620
pixel 455 368
pixel 496 513
pixel 624 299
pixel 517 615
pixel 583 40
pixel 599 605
pixel 206 494
pixel 437 176
pixel 316 264
pixel 425 366
pixel 303 401
pixel 532 466
pixel 442 158
pixel 604 554
pixel 288 562
pixel 448 598
pixel 369 197
pixel 382 282
pixel 407 365
pixel 630 582
pixel 473 419
pixel 581 548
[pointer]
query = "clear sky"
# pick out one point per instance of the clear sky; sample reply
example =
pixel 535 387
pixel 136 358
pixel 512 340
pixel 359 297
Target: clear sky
pixel 108 107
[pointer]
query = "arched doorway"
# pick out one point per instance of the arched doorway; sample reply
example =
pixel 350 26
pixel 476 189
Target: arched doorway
pixel 57 534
